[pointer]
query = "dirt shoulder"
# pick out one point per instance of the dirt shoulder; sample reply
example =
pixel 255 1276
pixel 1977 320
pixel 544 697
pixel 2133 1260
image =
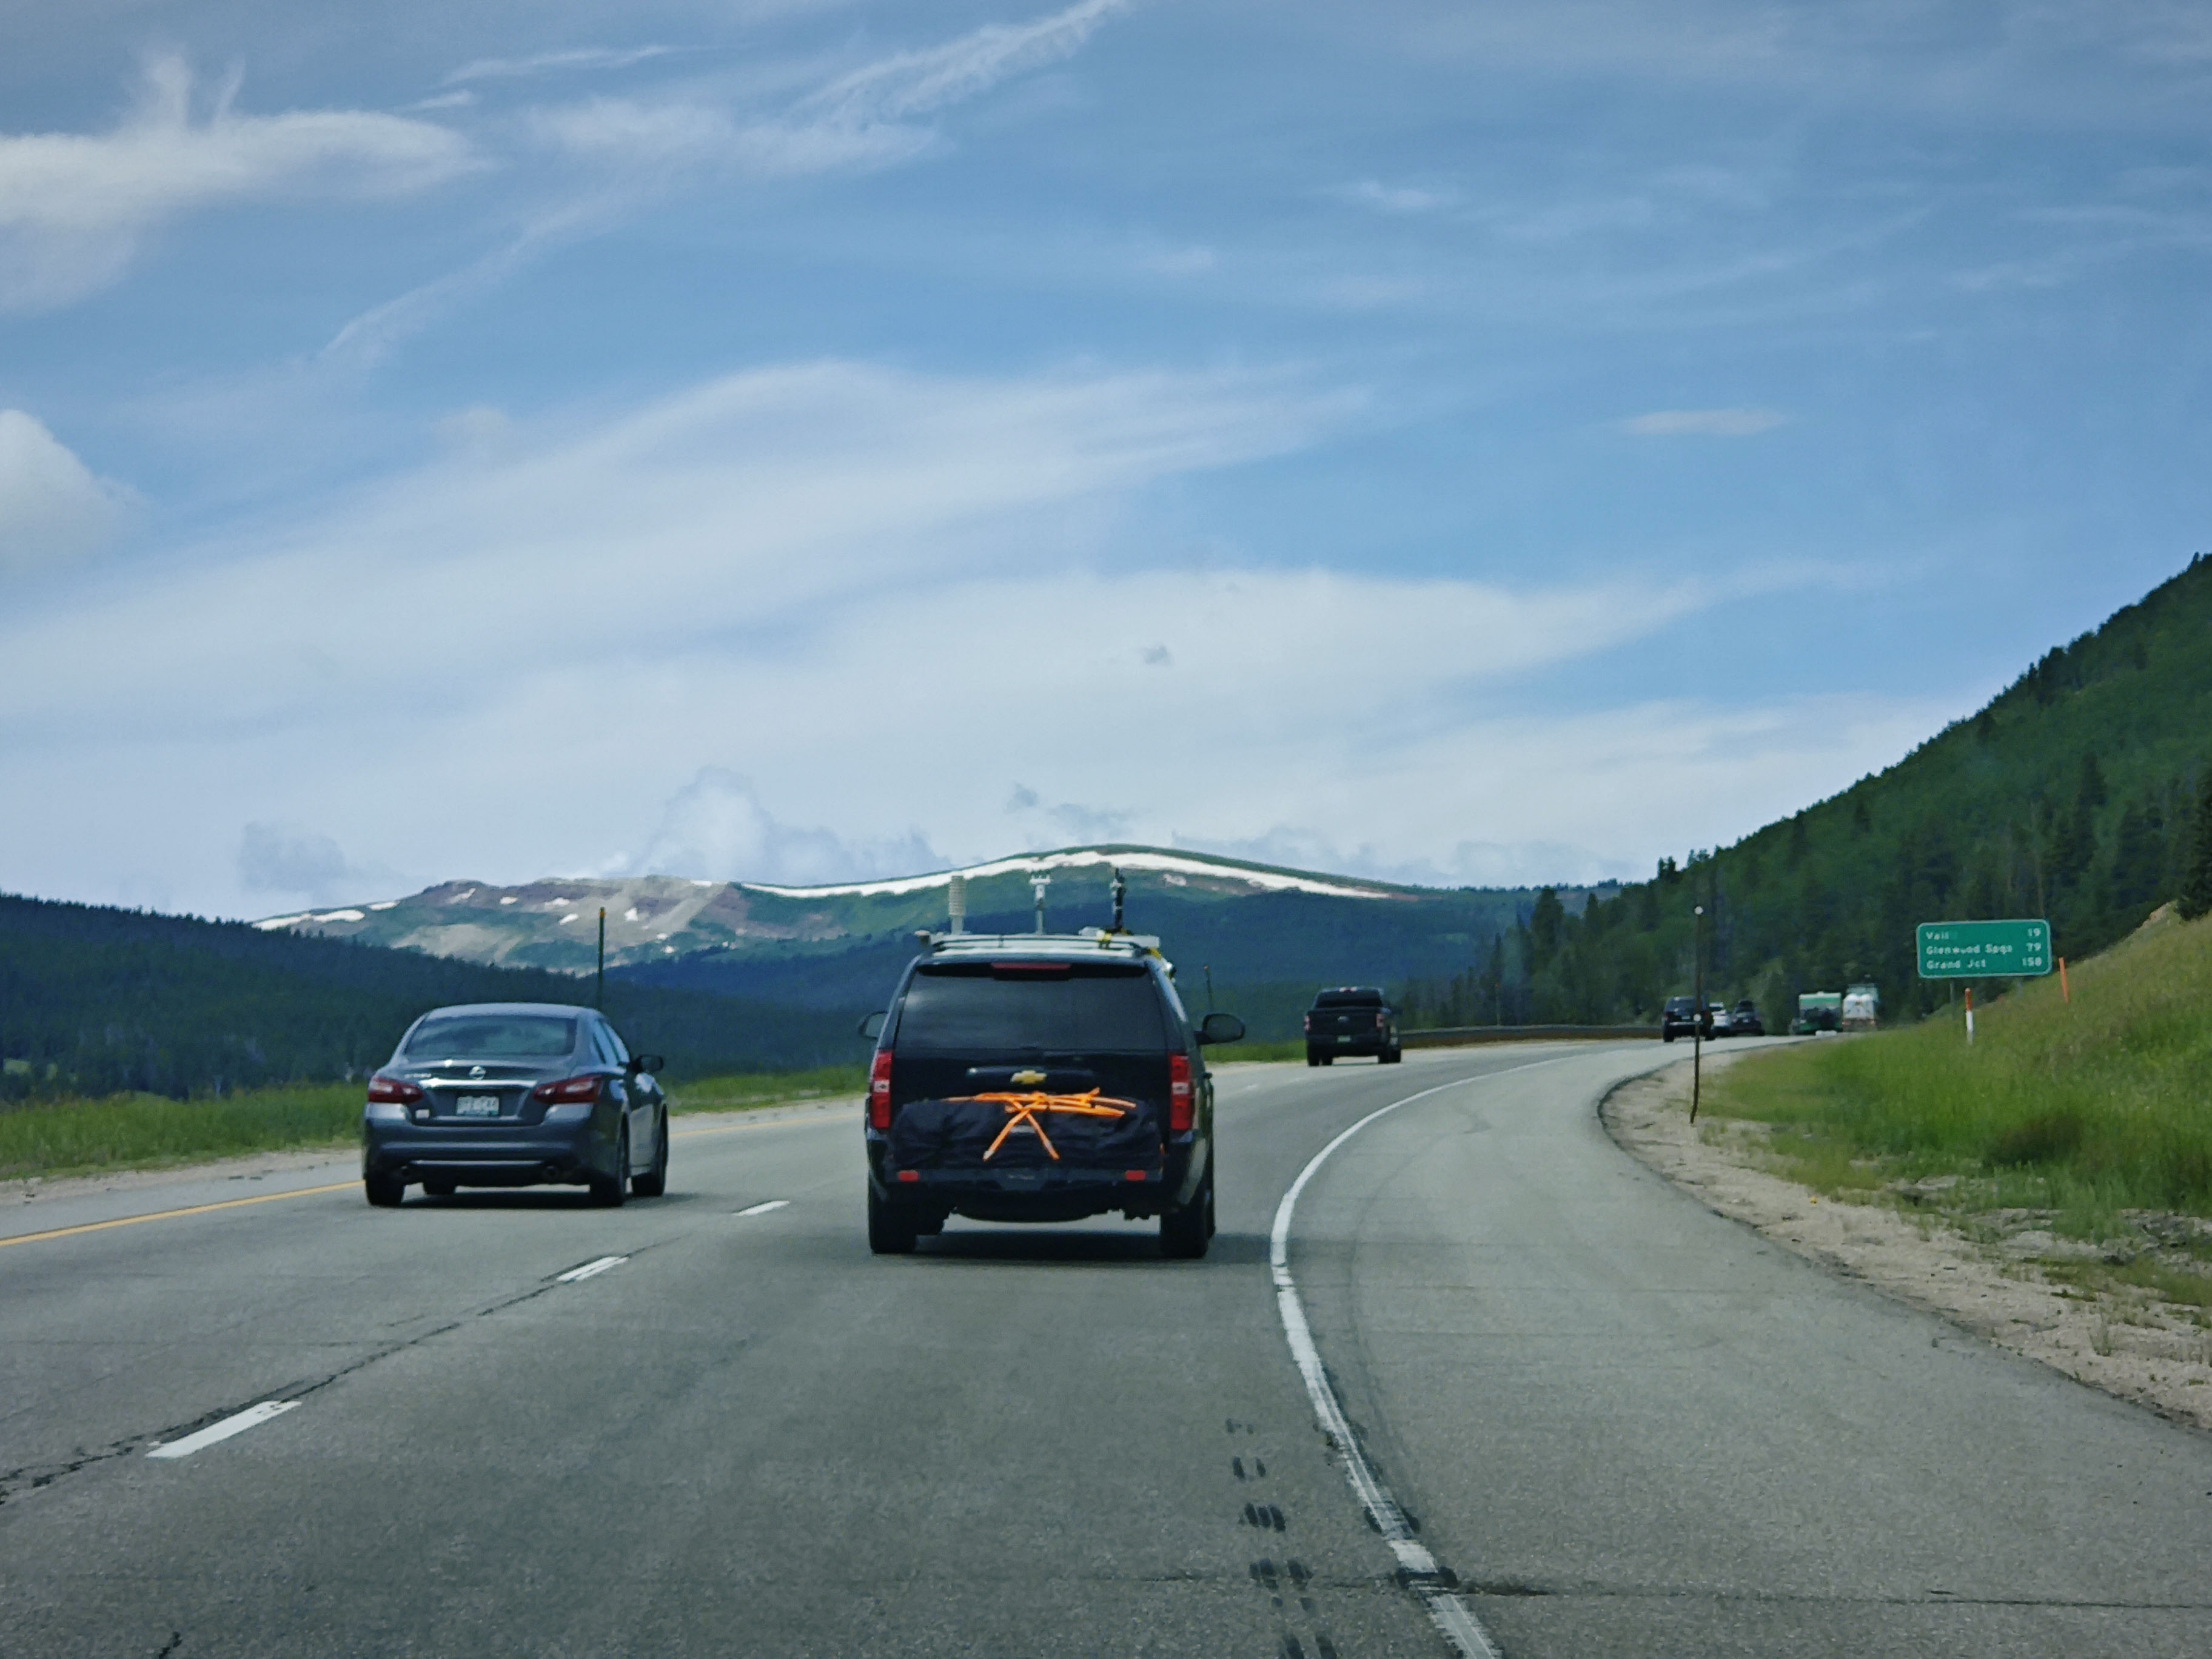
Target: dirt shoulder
pixel 1998 1283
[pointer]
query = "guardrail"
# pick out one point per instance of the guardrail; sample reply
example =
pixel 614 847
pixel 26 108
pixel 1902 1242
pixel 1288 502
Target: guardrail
pixel 1456 1036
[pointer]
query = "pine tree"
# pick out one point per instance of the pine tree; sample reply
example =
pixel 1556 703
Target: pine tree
pixel 2197 886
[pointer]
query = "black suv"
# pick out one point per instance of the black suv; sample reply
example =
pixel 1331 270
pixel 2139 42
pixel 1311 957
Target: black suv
pixel 1041 1078
pixel 1351 1019
pixel 1682 1018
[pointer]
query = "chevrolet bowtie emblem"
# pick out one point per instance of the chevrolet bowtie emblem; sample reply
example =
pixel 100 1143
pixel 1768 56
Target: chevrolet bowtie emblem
pixel 1028 1077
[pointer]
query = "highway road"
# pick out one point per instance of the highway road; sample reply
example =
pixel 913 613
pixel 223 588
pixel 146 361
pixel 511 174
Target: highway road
pixel 1614 1423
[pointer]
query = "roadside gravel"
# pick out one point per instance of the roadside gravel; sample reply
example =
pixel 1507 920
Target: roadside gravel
pixel 2124 1341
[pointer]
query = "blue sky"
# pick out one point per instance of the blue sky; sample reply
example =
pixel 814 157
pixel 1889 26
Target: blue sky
pixel 1464 442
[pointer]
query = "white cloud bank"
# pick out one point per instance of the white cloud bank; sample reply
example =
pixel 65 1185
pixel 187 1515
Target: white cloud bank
pixel 74 207
pixel 889 602
pixel 52 510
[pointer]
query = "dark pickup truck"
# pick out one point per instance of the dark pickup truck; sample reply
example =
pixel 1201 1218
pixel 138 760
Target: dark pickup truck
pixel 1351 1019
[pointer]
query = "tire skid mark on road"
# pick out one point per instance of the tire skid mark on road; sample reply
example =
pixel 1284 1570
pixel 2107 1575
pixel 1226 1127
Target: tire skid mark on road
pixel 34 1477
pixel 1286 1585
pixel 1418 1569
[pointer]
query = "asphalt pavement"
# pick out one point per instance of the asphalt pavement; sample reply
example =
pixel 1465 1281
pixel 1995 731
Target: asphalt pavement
pixel 712 1424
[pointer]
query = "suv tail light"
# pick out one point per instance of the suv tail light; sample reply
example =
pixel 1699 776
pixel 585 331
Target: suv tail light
pixel 569 1090
pixel 879 1090
pixel 397 1090
pixel 1309 1022
pixel 1180 1099
pixel 1381 1020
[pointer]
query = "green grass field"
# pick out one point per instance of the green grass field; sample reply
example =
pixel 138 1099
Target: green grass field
pixel 134 1131
pixel 2086 1108
pixel 51 1138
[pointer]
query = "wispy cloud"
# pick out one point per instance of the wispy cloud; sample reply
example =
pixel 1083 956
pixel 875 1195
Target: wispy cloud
pixel 918 82
pixel 1705 422
pixel 1394 198
pixel 53 509
pixel 867 118
pixel 554 63
pixel 75 207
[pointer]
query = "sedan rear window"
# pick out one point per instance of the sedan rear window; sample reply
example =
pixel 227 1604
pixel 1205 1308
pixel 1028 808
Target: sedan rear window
pixel 978 1010
pixel 493 1035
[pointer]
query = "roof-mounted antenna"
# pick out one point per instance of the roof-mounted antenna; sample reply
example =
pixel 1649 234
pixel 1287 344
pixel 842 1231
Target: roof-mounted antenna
pixel 956 902
pixel 1037 885
pixel 1121 896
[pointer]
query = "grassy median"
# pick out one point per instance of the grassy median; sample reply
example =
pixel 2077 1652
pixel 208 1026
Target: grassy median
pixel 2086 1108
pixel 72 1137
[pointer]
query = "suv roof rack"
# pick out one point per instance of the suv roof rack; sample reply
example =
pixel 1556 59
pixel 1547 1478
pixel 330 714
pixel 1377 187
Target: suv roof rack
pixel 1090 941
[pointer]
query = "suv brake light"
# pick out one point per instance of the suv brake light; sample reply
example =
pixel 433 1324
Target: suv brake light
pixel 1381 1020
pixel 395 1090
pixel 569 1090
pixel 1309 1022
pixel 1180 1099
pixel 880 1092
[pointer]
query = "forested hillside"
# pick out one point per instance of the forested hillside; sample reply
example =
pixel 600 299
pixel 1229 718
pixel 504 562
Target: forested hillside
pixel 95 1001
pixel 2074 794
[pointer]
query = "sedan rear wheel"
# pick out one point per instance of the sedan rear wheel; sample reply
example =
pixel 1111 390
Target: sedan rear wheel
pixel 655 1182
pixel 385 1191
pixel 611 1192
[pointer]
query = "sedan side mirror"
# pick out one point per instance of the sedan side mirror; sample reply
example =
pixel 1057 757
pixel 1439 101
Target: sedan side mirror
pixel 646 1062
pixel 1221 1028
pixel 872 1027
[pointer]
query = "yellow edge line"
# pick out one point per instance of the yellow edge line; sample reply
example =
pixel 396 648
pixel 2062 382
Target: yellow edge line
pixel 171 1215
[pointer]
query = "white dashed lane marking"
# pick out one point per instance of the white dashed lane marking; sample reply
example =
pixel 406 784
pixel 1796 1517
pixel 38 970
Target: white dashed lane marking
pixel 236 1423
pixel 763 1209
pixel 590 1270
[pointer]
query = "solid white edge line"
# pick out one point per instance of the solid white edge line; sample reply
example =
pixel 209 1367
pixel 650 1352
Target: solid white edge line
pixel 763 1209
pixel 1459 1626
pixel 590 1270
pixel 236 1423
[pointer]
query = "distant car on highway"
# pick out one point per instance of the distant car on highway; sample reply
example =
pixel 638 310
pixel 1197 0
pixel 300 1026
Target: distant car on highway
pixel 514 1094
pixel 1718 1023
pixel 1353 1019
pixel 1681 1018
pixel 1744 1020
pixel 1037 1076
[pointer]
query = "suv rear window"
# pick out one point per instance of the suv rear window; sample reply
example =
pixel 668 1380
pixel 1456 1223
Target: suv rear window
pixel 1082 1008
pixel 491 1036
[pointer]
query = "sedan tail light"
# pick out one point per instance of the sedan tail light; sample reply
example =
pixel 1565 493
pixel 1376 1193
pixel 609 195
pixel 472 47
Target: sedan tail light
pixel 395 1090
pixel 1180 1098
pixel 569 1090
pixel 879 1090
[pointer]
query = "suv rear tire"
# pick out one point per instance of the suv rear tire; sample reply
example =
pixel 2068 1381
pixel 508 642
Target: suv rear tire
pixel 890 1229
pixel 1185 1229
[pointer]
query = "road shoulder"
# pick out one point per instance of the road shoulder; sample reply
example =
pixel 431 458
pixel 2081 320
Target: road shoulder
pixel 2138 1352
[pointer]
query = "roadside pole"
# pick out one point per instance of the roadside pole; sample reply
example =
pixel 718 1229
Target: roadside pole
pixel 1969 1015
pixel 2065 991
pixel 1697 1025
pixel 599 991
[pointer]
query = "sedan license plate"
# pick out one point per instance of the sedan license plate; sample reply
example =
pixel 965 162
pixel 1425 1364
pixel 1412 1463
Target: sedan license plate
pixel 475 1106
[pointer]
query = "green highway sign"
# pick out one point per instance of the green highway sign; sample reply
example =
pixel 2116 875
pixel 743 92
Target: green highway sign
pixel 1983 949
